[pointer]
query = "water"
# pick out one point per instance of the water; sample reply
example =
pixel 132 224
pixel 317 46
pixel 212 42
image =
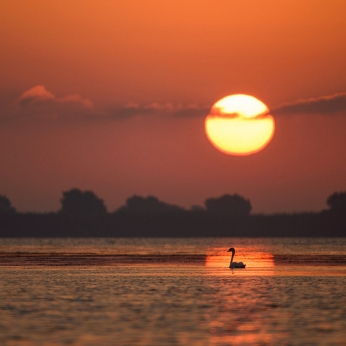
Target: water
pixel 172 292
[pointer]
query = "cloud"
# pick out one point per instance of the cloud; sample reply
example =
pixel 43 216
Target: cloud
pixel 40 95
pixel 38 101
pixel 133 109
pixel 180 110
pixel 37 94
pixel 192 110
pixel 331 104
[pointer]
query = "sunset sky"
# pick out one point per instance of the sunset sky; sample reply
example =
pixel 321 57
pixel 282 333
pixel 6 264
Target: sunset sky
pixel 111 96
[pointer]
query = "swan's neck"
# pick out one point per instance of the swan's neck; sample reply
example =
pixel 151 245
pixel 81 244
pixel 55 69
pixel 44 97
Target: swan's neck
pixel 231 260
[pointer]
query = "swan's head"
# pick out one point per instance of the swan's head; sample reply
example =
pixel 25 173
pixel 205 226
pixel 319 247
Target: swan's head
pixel 231 250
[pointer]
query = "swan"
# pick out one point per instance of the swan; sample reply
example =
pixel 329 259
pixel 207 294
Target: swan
pixel 235 264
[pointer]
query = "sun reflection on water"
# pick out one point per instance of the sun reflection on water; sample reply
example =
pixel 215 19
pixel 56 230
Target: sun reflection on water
pixel 256 261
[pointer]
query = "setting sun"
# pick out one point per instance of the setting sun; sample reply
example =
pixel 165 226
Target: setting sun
pixel 239 125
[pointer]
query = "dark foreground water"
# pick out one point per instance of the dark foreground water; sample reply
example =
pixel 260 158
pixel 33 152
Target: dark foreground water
pixel 172 292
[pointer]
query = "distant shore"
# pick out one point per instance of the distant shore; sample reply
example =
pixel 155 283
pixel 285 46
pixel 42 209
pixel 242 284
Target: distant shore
pixel 173 224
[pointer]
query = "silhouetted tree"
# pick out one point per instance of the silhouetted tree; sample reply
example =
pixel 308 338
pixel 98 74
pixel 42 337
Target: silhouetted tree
pixel 337 201
pixel 80 202
pixel 150 204
pixel 5 205
pixel 197 208
pixel 228 204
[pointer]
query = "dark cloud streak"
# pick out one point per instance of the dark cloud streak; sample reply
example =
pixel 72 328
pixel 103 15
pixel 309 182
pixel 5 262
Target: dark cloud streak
pixel 132 110
pixel 331 104
pixel 41 103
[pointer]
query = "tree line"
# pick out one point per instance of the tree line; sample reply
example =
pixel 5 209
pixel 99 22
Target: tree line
pixel 84 214
pixel 78 202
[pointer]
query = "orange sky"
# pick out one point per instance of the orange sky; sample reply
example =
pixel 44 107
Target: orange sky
pixel 126 85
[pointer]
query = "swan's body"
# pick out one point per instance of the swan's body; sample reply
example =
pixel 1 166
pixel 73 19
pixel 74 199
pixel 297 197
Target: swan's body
pixel 235 264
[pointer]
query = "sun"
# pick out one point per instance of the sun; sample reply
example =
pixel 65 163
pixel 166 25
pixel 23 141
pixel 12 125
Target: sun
pixel 239 125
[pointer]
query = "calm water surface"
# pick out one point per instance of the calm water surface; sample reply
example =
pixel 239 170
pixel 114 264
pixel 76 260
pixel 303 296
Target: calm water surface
pixel 172 292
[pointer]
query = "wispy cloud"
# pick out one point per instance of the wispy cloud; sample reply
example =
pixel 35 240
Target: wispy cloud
pixel 38 102
pixel 330 104
pixel 179 110
pixel 40 95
